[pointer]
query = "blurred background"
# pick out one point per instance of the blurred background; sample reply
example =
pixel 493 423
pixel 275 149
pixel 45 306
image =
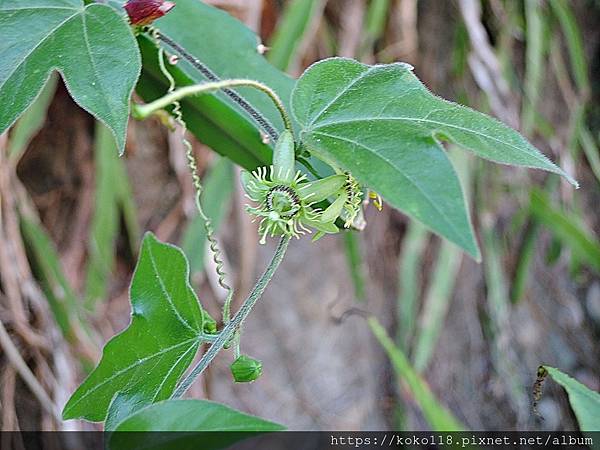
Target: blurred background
pixel 72 214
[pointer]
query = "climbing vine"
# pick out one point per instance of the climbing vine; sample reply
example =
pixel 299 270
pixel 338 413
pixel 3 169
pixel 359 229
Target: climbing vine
pixel 315 151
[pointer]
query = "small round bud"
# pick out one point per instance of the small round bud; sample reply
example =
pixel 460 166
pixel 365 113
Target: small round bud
pixel 209 324
pixel 246 369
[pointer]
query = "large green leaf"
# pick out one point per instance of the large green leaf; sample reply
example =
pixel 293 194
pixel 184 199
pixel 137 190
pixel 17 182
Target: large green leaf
pixel 383 125
pixel 584 401
pixel 185 417
pixel 91 46
pixel 166 329
pixel 194 415
pixel 216 119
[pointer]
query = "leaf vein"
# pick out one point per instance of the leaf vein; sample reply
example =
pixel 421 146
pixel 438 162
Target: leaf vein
pixel 479 134
pixel 168 374
pixel 94 68
pixel 128 368
pixel 340 95
pixel 38 45
pixel 166 293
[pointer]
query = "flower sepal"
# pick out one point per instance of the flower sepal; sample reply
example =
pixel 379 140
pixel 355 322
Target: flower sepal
pixel 319 190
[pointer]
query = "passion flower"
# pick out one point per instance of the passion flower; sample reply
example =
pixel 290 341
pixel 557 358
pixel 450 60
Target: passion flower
pixel 285 199
pixel 144 12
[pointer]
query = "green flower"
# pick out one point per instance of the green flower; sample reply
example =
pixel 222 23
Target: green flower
pixel 285 199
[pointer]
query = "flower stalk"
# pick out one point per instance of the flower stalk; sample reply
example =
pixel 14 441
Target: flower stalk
pixel 229 330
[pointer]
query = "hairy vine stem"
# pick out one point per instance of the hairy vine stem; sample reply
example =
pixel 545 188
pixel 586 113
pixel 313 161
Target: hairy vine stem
pixel 143 111
pixel 232 326
pixel 227 333
pixel 211 76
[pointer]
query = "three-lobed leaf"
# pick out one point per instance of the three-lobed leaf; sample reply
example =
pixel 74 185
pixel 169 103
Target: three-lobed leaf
pixel 147 359
pixel 91 46
pixel 384 126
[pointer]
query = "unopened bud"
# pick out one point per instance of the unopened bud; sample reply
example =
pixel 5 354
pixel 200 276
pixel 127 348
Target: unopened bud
pixel 144 12
pixel 246 369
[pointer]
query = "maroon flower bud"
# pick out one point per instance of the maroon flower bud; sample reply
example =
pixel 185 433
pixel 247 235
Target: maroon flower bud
pixel 144 12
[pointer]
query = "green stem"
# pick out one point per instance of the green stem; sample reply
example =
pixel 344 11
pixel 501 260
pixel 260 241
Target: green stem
pixel 229 330
pixel 142 112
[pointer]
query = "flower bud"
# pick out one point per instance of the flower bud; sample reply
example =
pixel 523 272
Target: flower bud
pixel 246 369
pixel 144 12
pixel 209 325
pixel 284 158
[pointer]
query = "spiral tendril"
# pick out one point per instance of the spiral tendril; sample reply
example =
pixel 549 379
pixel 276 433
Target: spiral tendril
pixel 191 162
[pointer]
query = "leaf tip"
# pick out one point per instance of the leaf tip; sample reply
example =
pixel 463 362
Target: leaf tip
pixel 67 412
pixel 572 181
pixel 476 255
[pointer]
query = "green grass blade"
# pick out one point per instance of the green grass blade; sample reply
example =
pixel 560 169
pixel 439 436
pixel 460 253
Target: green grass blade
pixel 47 268
pixel 535 62
pixel 584 244
pixel 438 417
pixel 498 303
pixel 574 40
pixel 409 279
pixel 127 205
pixel 375 23
pixel 296 20
pixel 436 304
pixel 105 221
pixel 523 269
pixel 355 263
pixel 31 121
pixel 591 150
